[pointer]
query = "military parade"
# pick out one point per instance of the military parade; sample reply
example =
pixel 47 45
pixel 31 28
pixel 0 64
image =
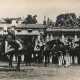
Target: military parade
pixel 31 43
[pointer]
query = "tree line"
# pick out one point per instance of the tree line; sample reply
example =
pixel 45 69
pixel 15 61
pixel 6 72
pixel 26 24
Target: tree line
pixel 66 19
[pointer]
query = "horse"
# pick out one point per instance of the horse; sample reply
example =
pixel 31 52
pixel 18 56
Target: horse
pixel 56 50
pixel 15 49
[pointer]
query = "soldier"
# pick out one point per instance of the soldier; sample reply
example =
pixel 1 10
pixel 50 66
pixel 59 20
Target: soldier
pixel 18 52
pixel 53 54
pixel 77 51
pixel 46 54
pixel 15 49
pixel 61 54
pixel 29 50
pixel 11 50
pixel 67 58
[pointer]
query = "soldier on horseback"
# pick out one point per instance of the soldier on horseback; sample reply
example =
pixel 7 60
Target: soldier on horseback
pixel 15 48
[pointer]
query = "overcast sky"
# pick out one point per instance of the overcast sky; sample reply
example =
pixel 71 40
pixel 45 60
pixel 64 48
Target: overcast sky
pixel 49 8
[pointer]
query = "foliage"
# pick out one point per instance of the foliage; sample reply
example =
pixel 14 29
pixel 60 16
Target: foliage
pixel 30 19
pixel 67 20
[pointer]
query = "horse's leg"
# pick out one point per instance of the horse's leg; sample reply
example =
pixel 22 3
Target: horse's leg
pixel 25 59
pixel 18 63
pixel 46 59
pixel 10 61
pixel 16 57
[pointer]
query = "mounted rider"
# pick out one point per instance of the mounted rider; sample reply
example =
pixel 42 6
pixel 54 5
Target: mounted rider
pixel 15 48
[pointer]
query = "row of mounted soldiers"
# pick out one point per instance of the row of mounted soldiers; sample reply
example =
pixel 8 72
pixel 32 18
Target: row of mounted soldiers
pixel 51 52
pixel 57 53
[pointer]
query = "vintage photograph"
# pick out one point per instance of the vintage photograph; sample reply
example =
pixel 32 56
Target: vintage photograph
pixel 39 39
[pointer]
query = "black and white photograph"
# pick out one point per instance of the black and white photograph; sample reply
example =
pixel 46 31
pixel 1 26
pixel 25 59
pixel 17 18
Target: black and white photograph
pixel 39 39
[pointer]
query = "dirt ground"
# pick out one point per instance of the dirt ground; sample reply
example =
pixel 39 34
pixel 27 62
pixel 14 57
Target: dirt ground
pixel 52 72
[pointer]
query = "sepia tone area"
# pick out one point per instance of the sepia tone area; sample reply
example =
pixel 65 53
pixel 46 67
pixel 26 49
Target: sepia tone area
pixel 38 72
pixel 39 40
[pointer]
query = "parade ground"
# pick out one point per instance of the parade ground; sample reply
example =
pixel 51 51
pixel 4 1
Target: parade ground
pixel 39 72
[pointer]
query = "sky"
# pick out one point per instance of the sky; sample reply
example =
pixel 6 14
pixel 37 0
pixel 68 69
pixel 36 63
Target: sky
pixel 48 8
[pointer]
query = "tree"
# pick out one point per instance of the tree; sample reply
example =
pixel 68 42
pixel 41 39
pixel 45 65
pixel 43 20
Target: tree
pixel 8 20
pixel 44 21
pixel 78 21
pixel 34 19
pixel 67 20
pixel 30 19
